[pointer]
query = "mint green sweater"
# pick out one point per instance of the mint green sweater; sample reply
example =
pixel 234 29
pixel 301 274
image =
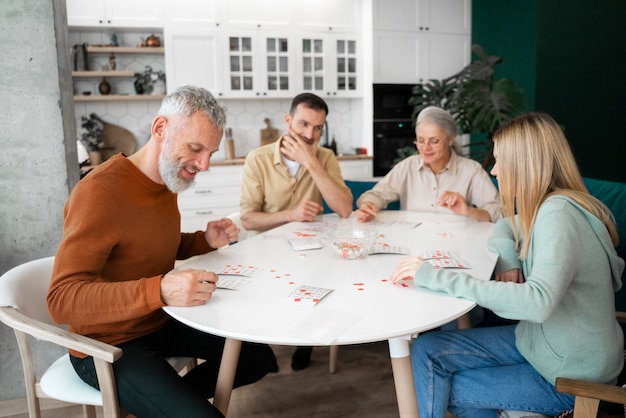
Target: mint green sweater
pixel 566 307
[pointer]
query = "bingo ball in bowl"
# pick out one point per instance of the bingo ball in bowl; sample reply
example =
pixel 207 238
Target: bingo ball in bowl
pixel 353 243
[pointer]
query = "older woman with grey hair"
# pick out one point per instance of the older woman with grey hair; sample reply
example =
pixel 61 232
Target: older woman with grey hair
pixel 436 179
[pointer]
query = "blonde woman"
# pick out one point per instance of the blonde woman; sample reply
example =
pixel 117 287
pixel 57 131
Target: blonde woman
pixel 557 273
pixel 437 179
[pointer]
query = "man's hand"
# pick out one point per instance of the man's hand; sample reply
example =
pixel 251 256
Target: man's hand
pixel 306 211
pixel 221 233
pixel 189 287
pixel 299 149
pixel 366 212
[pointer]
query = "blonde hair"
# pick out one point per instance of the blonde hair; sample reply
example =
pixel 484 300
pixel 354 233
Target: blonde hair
pixel 535 162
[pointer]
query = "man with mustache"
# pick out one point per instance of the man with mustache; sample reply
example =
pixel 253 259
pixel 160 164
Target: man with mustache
pixel 286 181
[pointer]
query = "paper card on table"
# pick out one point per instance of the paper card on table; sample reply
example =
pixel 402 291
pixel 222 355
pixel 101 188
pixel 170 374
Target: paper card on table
pixel 438 254
pixel 324 326
pixel 232 282
pixel 451 263
pixel 389 249
pixel 396 224
pixel 239 270
pixel 307 295
pixel 303 244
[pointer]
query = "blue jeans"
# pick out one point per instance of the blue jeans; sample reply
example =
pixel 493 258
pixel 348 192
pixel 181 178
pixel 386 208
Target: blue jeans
pixel 476 372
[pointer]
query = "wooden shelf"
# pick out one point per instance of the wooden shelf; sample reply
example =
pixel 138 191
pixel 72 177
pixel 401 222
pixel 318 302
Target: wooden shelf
pixel 103 74
pixel 125 50
pixel 118 97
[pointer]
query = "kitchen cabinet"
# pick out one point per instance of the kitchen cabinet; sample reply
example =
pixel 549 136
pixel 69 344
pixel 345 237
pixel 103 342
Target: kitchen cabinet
pixel 259 64
pixel 89 80
pixel 357 169
pixel 115 13
pixel 405 58
pixel 325 15
pixel 214 196
pixel 193 56
pixel 329 64
pixel 266 14
pixel 419 40
pixel 191 14
pixel 432 16
pixel 216 192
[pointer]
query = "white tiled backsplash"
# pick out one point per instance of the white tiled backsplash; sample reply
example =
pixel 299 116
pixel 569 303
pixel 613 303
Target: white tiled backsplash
pixel 245 116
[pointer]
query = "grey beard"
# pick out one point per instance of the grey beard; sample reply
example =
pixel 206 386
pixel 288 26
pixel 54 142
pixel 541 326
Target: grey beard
pixel 169 173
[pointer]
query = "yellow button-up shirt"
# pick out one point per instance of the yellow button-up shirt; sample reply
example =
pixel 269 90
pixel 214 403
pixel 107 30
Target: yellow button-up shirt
pixel 268 187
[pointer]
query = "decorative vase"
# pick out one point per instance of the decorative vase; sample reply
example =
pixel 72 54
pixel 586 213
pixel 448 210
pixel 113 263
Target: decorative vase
pixel 104 87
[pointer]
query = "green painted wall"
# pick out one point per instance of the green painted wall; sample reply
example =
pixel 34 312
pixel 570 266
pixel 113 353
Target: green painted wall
pixel 568 55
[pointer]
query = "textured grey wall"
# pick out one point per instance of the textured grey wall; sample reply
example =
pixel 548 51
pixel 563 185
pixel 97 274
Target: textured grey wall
pixel 36 114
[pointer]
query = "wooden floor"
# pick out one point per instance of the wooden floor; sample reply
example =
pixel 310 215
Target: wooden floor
pixel 362 387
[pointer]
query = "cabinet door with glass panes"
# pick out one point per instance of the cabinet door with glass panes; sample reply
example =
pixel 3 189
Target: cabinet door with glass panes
pixel 259 65
pixel 240 65
pixel 329 65
pixel 276 75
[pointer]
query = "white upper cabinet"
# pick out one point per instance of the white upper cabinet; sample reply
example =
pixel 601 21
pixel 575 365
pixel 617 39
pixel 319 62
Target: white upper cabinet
pixel 418 40
pixel 324 15
pixel 329 64
pixel 115 13
pixel 445 16
pixel 265 14
pixel 201 14
pixel 193 56
pixel 433 16
pixel 259 64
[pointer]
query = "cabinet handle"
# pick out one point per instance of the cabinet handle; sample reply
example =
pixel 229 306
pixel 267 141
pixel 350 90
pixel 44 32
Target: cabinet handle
pixel 204 212
pixel 202 191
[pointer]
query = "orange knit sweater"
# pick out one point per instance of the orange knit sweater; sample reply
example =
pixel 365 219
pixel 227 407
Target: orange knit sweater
pixel 121 234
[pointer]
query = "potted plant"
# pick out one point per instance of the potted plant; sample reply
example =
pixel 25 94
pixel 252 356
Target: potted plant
pixel 91 138
pixel 477 102
pixel 146 81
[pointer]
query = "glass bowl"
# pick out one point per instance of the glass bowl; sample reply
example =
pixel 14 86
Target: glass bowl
pixel 352 243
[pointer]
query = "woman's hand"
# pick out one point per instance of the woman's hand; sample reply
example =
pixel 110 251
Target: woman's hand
pixel 515 276
pixel 366 212
pixel 455 202
pixel 406 268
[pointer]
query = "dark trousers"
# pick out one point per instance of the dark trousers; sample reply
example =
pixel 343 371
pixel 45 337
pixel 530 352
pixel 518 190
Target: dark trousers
pixel 147 386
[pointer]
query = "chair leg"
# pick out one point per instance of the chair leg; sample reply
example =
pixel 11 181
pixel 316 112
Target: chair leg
pixel 585 407
pixel 332 360
pixel 89 411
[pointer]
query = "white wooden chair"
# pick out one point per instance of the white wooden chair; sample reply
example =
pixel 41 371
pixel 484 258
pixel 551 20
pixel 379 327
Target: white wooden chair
pixel 23 307
pixel 589 394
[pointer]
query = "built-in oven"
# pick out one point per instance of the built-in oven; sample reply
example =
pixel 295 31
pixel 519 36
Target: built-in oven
pixel 393 126
pixel 390 136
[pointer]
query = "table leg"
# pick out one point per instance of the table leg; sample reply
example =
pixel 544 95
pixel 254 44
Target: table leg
pixel 403 377
pixel 226 375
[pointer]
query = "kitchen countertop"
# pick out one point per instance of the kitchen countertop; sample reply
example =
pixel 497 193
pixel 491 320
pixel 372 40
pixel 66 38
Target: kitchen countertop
pixel 241 160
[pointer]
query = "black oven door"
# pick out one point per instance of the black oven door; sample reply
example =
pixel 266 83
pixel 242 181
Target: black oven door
pixel 389 136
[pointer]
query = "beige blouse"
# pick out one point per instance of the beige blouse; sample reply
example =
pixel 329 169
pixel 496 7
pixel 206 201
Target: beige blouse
pixel 417 188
